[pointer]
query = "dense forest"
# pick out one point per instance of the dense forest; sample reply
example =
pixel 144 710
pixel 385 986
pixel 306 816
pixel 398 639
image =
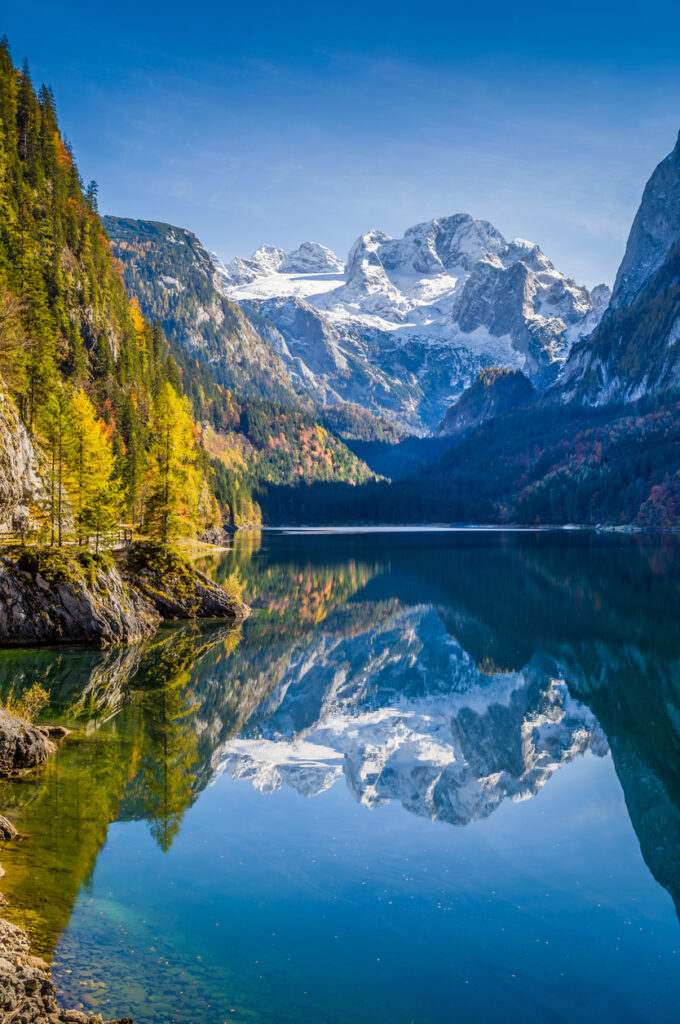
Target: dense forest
pixel 94 381
pixel 543 465
pixel 129 426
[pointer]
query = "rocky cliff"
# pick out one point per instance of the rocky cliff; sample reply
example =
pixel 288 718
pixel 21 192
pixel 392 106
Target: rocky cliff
pixel 49 595
pixel 20 481
pixel 635 350
pixel 175 281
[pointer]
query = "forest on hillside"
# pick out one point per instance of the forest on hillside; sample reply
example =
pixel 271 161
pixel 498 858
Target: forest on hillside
pixel 93 381
pixel 545 465
pixel 127 429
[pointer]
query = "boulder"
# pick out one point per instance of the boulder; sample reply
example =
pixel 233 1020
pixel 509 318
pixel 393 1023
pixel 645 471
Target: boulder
pixel 22 746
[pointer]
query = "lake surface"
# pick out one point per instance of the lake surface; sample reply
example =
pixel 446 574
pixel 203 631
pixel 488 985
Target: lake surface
pixel 435 777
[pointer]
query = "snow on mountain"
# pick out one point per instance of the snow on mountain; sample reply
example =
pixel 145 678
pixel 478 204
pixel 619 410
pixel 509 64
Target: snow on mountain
pixel 312 258
pixel 409 322
pixel 402 713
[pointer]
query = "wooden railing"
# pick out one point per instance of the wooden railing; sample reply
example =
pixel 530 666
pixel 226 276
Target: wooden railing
pixel 118 539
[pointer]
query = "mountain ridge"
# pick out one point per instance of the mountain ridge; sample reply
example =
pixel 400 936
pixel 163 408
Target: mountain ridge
pixel 412 321
pixel 635 348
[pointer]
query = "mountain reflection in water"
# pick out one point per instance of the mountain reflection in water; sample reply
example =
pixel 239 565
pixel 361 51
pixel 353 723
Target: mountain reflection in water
pixel 445 672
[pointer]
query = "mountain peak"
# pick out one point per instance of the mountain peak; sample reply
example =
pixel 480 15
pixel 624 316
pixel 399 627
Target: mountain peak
pixel 655 230
pixel 311 258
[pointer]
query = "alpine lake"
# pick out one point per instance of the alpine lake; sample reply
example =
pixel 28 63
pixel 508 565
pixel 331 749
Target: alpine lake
pixel 434 777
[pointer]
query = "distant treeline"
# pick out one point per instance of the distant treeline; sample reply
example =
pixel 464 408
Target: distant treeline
pixel 549 464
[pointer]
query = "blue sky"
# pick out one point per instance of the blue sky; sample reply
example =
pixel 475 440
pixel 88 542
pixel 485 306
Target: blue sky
pixel 287 121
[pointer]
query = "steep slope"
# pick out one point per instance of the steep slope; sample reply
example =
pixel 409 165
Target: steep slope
pixel 257 430
pixel 21 486
pixel 494 393
pixel 410 322
pixel 167 269
pixel 635 350
pixel 66 321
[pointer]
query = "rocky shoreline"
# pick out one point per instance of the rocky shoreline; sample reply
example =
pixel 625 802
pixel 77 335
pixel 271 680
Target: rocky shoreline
pixel 27 992
pixel 54 595
pixel 48 596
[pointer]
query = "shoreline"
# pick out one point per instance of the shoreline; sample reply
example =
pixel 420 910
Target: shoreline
pixel 27 992
pixel 54 595
pixel 461 528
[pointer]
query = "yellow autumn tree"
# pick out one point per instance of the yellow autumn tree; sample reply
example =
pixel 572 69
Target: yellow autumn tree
pixel 173 479
pixel 95 497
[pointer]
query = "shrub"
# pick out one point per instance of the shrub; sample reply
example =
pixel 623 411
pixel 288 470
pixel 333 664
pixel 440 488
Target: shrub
pixel 29 705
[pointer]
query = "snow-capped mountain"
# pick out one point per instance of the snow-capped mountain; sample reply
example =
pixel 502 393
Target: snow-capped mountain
pixel 310 258
pixel 407 323
pixel 402 712
pixel 635 349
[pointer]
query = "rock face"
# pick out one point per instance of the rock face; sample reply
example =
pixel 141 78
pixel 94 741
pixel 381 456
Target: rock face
pixel 655 231
pixel 22 746
pixel 20 484
pixel 635 349
pixel 494 393
pixel 49 597
pixel 61 605
pixel 175 280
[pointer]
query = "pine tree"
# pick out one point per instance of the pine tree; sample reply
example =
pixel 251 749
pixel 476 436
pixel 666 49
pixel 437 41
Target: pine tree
pixel 13 344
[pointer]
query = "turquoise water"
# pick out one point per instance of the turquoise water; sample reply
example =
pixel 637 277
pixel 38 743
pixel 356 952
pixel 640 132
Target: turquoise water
pixel 435 777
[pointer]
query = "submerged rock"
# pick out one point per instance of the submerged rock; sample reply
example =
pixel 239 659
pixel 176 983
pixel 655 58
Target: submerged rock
pixel 27 992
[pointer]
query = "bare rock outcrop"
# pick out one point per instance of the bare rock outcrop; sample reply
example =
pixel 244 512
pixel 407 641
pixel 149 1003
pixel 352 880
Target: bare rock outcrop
pixel 50 595
pixel 20 483
pixel 47 597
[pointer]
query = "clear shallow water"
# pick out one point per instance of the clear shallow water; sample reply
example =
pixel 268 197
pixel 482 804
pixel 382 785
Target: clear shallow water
pixel 431 778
